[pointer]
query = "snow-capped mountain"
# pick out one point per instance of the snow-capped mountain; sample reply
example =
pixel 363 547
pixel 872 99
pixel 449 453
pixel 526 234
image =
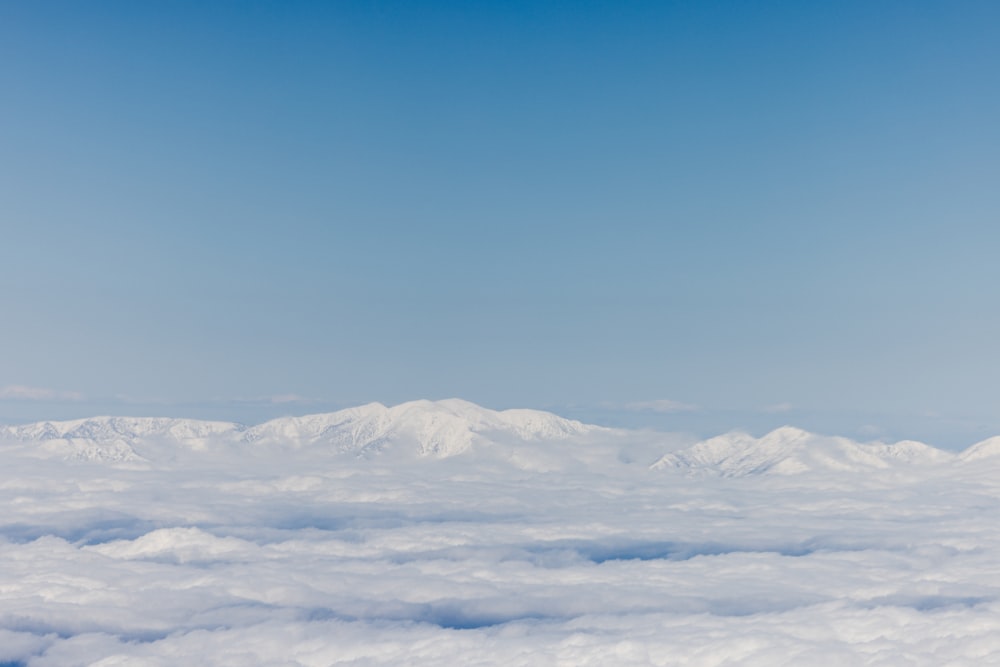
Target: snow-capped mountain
pixel 789 450
pixel 106 429
pixel 430 428
pixel 531 439
pixel 986 449
pixel 425 428
pixel 114 439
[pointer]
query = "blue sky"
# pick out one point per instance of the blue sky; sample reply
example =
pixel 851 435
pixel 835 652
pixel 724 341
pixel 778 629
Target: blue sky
pixel 766 212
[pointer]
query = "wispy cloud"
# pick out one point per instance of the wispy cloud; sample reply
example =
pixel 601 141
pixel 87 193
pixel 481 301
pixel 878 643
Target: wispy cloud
pixel 287 398
pixel 273 399
pixel 663 405
pixel 871 430
pixel 778 408
pixel 18 392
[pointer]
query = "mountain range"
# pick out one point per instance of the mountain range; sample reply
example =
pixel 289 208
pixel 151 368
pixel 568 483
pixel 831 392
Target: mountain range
pixel 436 429
pixel 452 427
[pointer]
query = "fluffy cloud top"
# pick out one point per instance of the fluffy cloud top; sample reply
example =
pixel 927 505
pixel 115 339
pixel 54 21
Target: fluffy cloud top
pixel 24 393
pixel 212 549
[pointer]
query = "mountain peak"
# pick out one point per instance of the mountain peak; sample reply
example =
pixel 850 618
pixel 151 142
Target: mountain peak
pixel 430 428
pixel 107 428
pixel 789 450
pixel 984 449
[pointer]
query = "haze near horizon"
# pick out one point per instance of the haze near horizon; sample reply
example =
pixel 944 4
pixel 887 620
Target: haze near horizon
pixel 692 216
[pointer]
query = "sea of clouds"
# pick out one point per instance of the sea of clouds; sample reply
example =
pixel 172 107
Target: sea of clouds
pixel 578 554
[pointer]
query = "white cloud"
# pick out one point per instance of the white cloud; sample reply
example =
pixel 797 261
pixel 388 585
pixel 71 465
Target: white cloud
pixel 664 405
pixel 264 555
pixel 287 398
pixel 273 399
pixel 872 430
pixel 778 408
pixel 24 393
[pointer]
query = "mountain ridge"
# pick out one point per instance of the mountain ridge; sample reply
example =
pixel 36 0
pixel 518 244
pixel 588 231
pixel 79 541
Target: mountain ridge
pixel 788 450
pixel 449 427
pixel 432 428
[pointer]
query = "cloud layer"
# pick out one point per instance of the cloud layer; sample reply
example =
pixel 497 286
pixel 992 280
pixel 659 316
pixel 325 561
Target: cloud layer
pixel 251 554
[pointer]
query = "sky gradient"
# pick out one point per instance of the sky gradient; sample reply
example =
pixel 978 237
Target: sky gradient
pixel 763 212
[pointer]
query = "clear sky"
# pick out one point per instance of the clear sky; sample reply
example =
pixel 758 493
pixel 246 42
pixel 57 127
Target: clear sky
pixel 761 211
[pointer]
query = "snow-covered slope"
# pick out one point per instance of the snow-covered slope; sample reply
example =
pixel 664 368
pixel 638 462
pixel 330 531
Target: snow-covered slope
pixel 788 451
pixel 986 449
pixel 425 428
pixel 107 429
pixel 439 429
pixel 428 428
pixel 114 439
